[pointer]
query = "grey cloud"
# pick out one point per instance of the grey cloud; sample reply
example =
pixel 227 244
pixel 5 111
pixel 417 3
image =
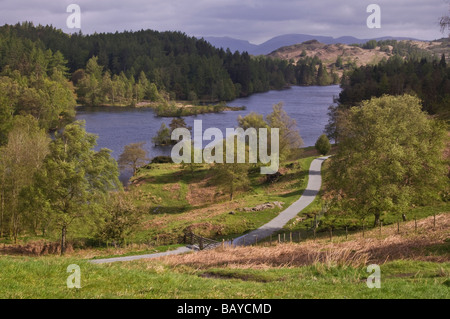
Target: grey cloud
pixel 254 20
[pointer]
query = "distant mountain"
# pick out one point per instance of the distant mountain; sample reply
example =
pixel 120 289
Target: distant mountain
pixel 233 44
pixel 285 40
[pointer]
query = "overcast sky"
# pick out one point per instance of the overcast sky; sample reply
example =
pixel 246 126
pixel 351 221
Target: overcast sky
pixel 253 20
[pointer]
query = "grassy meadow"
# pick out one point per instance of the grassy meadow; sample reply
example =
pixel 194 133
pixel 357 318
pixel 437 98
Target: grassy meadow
pixel 413 265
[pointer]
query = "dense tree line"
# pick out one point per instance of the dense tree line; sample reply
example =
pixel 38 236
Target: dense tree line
pixel 46 184
pixel 428 79
pixel 311 71
pixel 33 81
pixel 185 67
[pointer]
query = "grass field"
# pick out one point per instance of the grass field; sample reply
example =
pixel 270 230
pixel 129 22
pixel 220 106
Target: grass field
pixel 413 265
pixel 178 201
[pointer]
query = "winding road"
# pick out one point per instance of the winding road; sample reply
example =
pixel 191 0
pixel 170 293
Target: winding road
pixel 276 224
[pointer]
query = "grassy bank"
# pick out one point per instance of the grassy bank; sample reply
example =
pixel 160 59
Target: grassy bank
pixel 412 266
pixel 177 199
pixel 46 278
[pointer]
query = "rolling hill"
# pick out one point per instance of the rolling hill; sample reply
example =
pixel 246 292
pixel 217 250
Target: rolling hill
pixel 284 40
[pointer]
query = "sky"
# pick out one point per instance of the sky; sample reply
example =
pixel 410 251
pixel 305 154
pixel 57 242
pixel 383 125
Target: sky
pixel 252 20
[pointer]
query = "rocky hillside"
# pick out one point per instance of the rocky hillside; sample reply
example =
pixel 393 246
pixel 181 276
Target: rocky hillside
pixel 340 56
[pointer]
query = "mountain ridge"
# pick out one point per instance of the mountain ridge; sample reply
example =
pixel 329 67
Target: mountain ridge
pixel 277 42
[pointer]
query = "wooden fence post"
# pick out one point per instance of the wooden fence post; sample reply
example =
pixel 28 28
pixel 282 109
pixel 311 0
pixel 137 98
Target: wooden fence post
pixel 201 243
pixel 279 238
pixel 290 237
pixel 398 227
pixel 346 232
pixel 434 221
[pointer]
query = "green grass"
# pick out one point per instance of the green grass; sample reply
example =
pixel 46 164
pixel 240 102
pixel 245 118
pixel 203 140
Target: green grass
pixel 46 278
pixel 172 209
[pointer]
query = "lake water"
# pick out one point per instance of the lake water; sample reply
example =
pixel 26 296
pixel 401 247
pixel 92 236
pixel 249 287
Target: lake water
pixel 117 127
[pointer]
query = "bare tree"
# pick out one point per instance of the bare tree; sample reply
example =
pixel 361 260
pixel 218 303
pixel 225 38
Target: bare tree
pixel 444 22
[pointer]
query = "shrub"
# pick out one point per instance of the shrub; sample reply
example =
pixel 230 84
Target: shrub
pixel 323 145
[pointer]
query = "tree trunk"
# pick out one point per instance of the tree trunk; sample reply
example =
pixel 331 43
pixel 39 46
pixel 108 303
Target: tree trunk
pixel 377 219
pixel 2 208
pixel 63 240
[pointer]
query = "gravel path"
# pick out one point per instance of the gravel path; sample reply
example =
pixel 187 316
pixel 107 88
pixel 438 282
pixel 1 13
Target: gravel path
pixel 180 250
pixel 276 224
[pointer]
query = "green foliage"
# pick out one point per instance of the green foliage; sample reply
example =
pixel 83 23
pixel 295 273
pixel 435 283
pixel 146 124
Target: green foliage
pixel 311 71
pixel 162 160
pixel 371 44
pixel 74 179
pixel 185 67
pixel 163 136
pixel 231 177
pixel 389 157
pixel 178 122
pixel 339 63
pixel 252 120
pixel 32 81
pixel 289 136
pixel 133 156
pixel 426 78
pixel 120 219
pixel 323 145
pixel 20 159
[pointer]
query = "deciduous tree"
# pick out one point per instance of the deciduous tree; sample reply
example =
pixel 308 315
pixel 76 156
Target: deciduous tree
pixel 75 178
pixel 390 156
pixel 133 156
pixel 289 135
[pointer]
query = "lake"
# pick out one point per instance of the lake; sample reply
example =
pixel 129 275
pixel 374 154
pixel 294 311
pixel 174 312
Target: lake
pixel 117 127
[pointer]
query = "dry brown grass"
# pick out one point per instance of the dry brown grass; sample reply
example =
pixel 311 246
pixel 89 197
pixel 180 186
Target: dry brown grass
pixel 328 53
pixel 36 248
pixel 356 251
pixel 200 193
pixel 194 215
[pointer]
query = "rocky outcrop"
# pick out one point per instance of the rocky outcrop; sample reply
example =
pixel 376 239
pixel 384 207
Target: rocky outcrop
pixel 264 206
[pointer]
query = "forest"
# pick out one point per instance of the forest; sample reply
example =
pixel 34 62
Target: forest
pixel 427 78
pixel 130 66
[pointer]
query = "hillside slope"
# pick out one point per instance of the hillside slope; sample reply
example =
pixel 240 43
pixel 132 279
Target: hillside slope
pixel 359 55
pixel 329 53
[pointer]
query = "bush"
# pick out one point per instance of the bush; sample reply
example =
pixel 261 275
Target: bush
pixel 162 160
pixel 323 145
